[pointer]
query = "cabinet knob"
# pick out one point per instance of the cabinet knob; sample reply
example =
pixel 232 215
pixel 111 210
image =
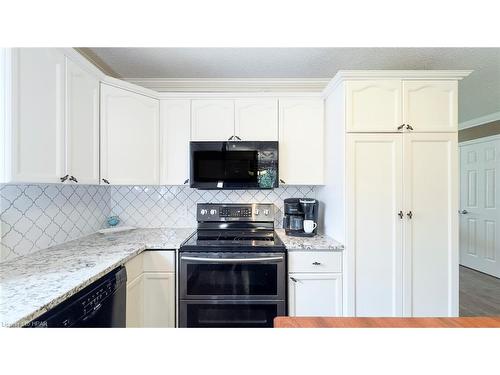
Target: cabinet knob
pixel 105 181
pixel 316 264
pixel 64 178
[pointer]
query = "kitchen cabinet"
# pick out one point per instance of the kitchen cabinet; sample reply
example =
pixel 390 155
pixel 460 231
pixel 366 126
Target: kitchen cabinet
pixel 82 125
pixel 256 119
pixel 129 137
pixel 314 283
pixel 431 106
pixel 301 147
pixel 315 294
pixel 373 105
pixel 35 140
pixel 151 289
pixel 212 119
pixel 385 105
pixel 175 133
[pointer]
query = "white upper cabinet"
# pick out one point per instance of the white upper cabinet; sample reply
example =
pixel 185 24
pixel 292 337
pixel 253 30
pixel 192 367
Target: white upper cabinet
pixel 175 132
pixel 82 124
pixel 256 119
pixel 430 106
pixel 212 119
pixel 37 144
pixel 431 232
pixel 129 137
pixel 301 147
pixel 373 106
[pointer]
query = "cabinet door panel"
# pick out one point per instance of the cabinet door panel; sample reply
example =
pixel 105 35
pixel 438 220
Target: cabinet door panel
pixel 374 229
pixel 212 120
pixel 431 235
pixel 159 300
pixel 135 303
pixel 430 106
pixel 373 106
pixel 82 124
pixel 301 146
pixel 38 116
pixel 129 137
pixel 256 119
pixel 175 133
pixel 315 294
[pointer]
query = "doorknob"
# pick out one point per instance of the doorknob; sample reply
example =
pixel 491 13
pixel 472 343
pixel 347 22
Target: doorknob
pixel 463 212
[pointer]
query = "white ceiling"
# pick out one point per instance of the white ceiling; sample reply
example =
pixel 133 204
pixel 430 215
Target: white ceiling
pixel 479 93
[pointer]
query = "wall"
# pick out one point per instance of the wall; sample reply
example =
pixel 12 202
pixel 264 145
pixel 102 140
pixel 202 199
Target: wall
pixel 175 206
pixel 34 217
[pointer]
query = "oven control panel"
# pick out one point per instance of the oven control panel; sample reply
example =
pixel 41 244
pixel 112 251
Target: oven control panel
pixel 235 212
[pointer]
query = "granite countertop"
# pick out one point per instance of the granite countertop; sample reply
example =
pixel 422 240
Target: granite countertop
pixel 32 284
pixel 319 242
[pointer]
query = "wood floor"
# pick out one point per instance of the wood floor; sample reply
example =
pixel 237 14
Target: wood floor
pixel 479 293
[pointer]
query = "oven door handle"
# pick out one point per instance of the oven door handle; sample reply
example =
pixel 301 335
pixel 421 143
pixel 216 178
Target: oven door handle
pixel 233 260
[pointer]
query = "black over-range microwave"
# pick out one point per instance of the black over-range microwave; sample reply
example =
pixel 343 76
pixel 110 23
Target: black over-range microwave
pixel 234 165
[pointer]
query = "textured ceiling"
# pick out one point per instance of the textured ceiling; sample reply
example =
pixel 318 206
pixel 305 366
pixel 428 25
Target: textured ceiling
pixel 479 93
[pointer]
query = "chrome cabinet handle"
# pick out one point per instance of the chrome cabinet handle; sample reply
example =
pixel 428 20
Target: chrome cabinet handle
pixel 316 264
pixel 463 212
pixel 105 181
pixel 409 127
pixel 64 178
pixel 400 214
pixel 409 214
pixel 401 127
pixel 232 260
pixel 73 178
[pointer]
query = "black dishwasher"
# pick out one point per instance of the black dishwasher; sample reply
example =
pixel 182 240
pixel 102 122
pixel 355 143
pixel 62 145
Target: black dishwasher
pixel 99 305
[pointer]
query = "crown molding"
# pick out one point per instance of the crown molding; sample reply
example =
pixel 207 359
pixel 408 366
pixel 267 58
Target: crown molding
pixel 495 116
pixel 343 75
pixel 96 61
pixel 231 84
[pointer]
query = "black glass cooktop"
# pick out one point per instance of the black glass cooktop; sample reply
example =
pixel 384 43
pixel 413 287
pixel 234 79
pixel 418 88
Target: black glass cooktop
pixel 234 240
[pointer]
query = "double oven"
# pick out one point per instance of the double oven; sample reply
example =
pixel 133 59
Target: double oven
pixel 232 271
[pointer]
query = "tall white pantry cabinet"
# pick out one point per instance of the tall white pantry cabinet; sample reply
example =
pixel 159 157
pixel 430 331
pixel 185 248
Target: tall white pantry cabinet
pixel 395 201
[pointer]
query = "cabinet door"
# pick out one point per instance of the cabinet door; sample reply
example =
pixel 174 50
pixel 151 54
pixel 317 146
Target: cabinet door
pixel 431 233
pixel 374 197
pixel 38 115
pixel 256 119
pixel 135 303
pixel 129 137
pixel 175 132
pixel 315 294
pixel 159 299
pixel 373 106
pixel 430 106
pixel 301 146
pixel 212 120
pixel 82 124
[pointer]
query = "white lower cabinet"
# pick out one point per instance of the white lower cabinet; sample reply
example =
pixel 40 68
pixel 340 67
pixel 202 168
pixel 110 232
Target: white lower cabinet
pixel 151 290
pixel 313 289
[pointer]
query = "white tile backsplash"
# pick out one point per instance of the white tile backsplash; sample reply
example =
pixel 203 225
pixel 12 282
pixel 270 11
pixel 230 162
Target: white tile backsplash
pixel 34 217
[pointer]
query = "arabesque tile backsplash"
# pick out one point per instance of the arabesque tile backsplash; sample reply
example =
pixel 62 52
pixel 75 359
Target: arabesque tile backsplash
pixel 34 217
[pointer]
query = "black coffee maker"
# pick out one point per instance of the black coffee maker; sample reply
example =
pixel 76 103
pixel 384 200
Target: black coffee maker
pixel 301 217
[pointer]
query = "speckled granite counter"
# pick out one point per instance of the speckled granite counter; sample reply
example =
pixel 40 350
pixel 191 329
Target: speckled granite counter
pixel 318 242
pixel 33 284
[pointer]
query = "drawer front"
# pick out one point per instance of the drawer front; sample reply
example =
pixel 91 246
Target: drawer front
pixel 159 261
pixel 134 267
pixel 314 261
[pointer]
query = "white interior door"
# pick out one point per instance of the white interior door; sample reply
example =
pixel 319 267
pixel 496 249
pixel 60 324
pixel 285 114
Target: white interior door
pixel 479 213
pixel 431 224
pixel 374 227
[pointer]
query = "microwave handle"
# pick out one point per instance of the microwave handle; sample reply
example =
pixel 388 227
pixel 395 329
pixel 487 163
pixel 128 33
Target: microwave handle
pixel 232 260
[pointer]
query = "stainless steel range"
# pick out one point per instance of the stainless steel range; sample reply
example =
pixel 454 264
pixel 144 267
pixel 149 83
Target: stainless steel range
pixel 232 270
